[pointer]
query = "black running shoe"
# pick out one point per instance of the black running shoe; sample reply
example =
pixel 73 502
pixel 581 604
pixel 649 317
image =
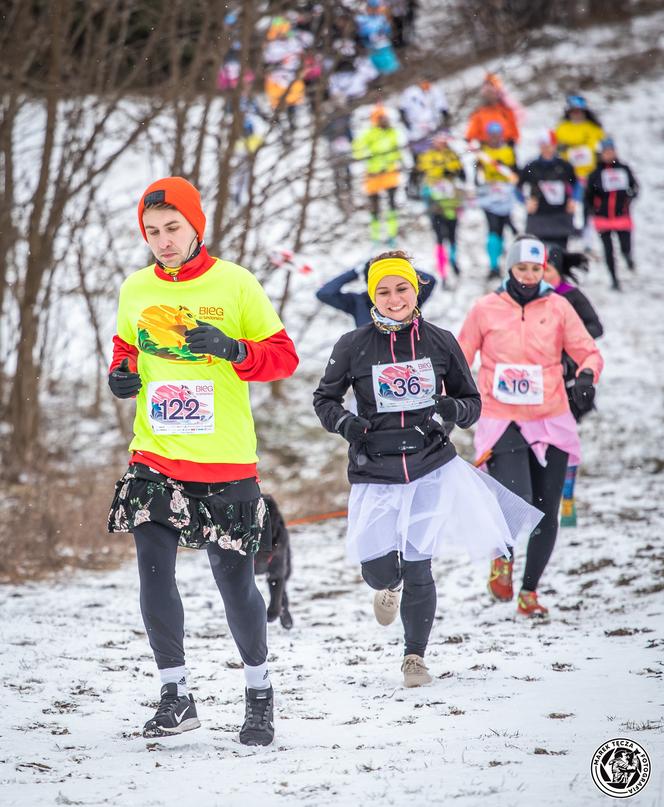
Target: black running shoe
pixel 175 714
pixel 258 727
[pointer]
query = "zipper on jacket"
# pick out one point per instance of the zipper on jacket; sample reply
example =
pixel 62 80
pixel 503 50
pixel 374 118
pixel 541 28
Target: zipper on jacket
pixel 414 329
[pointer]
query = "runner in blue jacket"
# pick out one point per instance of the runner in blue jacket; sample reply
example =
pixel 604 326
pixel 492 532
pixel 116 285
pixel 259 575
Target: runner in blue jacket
pixel 357 303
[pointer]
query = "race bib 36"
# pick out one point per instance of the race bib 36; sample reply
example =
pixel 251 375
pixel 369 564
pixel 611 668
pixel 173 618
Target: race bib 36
pixel 405 385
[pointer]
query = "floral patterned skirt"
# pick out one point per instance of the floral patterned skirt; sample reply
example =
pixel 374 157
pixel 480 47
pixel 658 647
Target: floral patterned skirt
pixel 230 514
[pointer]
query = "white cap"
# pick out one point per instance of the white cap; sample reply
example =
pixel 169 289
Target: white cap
pixel 526 250
pixel 546 137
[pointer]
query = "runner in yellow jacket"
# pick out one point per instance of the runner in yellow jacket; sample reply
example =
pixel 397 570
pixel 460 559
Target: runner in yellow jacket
pixel 192 331
pixel 378 148
pixel 578 135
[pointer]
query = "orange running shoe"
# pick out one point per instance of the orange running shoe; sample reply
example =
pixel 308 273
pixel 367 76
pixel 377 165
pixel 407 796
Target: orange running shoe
pixel 500 579
pixel 529 607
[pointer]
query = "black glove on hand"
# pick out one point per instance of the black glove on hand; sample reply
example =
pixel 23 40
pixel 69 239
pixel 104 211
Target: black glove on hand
pixel 583 391
pixel 210 340
pixel 353 427
pixel 124 383
pixel 446 407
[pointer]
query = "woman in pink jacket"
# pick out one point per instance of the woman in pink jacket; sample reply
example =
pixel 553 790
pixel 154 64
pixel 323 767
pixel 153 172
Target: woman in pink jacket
pixel 526 433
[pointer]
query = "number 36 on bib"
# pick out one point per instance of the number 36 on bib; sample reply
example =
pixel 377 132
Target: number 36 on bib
pixel 402 386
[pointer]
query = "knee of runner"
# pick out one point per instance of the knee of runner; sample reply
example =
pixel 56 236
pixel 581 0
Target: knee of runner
pixel 381 576
pixel 418 573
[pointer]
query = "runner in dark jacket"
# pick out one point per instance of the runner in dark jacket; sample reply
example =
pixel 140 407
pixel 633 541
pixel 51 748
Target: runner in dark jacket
pixel 357 303
pixel 559 273
pixel 550 183
pixel 411 495
pixel 609 193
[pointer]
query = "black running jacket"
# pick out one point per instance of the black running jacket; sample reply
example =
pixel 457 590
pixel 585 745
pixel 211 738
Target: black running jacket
pixel 350 365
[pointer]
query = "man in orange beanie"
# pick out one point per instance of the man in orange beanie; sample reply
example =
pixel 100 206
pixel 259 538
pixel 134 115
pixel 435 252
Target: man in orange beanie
pixel 192 331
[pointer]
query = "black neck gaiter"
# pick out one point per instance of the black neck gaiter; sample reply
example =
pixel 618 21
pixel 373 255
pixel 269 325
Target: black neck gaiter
pixel 522 293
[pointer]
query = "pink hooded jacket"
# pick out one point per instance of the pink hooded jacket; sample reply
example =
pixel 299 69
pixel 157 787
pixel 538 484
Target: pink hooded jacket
pixel 505 332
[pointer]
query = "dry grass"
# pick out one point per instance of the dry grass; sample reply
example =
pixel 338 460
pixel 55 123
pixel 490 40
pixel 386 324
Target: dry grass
pixel 56 522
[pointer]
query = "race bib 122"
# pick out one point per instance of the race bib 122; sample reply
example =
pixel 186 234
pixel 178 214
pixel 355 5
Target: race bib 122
pixel 181 407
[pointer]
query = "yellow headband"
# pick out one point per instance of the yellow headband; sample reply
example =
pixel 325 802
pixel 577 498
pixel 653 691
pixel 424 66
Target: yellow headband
pixel 390 266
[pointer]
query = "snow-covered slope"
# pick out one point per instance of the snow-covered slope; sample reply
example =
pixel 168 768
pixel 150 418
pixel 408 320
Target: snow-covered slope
pixel 516 710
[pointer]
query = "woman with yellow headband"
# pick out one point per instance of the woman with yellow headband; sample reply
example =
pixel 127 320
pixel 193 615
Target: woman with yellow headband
pixel 411 495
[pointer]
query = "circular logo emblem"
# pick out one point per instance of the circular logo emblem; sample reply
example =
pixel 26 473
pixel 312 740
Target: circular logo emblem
pixel 620 768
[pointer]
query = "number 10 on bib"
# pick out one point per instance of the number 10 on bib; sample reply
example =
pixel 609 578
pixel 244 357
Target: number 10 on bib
pixel 518 384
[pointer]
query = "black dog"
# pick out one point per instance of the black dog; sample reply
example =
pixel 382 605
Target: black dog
pixel 276 563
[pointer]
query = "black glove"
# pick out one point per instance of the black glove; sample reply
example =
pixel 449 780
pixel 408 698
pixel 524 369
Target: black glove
pixel 583 391
pixel 124 383
pixel 353 427
pixel 446 407
pixel 210 340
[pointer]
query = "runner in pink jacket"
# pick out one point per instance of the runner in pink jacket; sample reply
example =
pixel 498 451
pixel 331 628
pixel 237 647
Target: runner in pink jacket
pixel 526 433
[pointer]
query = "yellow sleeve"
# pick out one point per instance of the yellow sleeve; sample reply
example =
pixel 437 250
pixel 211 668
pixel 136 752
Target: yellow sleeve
pixel 597 135
pixel 125 328
pixel 361 146
pixel 258 319
pixel 561 133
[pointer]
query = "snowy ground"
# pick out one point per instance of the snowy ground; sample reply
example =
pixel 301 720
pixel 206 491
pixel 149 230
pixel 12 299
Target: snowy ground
pixel 513 716
pixel 516 710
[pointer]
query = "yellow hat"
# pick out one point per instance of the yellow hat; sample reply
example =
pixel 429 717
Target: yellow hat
pixel 390 266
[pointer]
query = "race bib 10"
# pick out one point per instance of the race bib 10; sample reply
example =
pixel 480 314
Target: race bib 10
pixel 405 385
pixel 518 384
pixel 181 407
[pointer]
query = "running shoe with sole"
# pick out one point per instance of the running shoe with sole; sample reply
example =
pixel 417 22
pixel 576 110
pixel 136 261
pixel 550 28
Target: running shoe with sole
pixel 500 579
pixel 415 672
pixel 175 714
pixel 258 726
pixel 386 605
pixel 530 608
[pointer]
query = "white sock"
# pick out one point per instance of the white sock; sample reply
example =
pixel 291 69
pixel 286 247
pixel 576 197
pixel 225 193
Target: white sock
pixel 257 677
pixel 175 675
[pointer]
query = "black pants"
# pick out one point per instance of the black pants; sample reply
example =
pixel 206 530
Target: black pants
pixel 161 606
pixel 443 228
pixel 418 600
pixel 561 242
pixel 515 466
pixel 498 223
pixel 625 241
pixel 374 201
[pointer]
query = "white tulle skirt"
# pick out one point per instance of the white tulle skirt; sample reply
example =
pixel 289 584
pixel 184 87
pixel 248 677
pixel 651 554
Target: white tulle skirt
pixel 456 507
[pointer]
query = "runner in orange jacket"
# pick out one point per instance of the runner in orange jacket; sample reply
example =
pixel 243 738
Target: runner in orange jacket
pixel 494 107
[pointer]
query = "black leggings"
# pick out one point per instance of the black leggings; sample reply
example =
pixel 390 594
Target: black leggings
pixel 418 600
pixel 625 241
pixel 374 201
pixel 443 228
pixel 515 466
pixel 498 223
pixel 161 606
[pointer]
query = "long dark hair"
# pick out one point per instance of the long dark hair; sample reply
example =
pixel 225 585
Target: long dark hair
pixel 589 115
